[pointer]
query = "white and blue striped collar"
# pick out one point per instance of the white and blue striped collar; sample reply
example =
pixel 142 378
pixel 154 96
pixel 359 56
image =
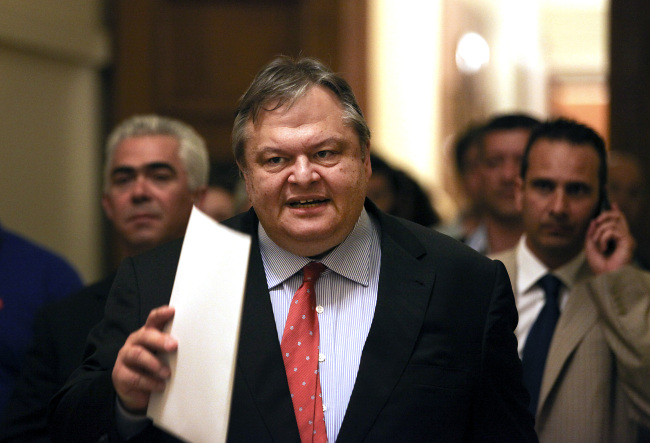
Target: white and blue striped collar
pixel 349 259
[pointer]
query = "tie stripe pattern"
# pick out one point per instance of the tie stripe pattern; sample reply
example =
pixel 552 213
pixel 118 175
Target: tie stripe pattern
pixel 299 345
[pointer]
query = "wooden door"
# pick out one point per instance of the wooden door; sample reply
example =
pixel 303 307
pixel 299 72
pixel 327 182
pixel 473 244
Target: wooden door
pixel 192 59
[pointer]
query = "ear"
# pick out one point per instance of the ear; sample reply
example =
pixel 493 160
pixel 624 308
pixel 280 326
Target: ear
pixel 199 195
pixel 243 172
pixel 106 205
pixel 366 160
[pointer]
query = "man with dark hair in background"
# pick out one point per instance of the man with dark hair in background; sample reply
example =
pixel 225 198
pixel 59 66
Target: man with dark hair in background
pixel 464 183
pixel 220 197
pixel 627 187
pixel 501 146
pixel 397 193
pixel 584 329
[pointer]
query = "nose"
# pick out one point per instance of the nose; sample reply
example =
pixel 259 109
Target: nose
pixel 559 202
pixel 140 190
pixel 303 172
pixel 511 169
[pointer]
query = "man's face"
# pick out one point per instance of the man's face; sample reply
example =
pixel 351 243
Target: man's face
pixel 558 199
pixel 305 175
pixel 471 177
pixel 218 203
pixel 148 198
pixel 501 162
pixel 626 186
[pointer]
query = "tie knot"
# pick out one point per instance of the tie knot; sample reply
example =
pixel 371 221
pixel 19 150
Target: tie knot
pixel 551 285
pixel 312 271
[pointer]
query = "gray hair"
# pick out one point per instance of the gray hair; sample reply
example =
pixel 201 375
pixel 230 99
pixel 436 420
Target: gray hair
pixel 192 149
pixel 285 80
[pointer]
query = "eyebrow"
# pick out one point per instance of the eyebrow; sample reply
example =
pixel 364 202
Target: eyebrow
pixel 149 167
pixel 338 141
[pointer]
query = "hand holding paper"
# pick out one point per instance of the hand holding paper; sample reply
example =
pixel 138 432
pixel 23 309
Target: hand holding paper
pixel 208 294
pixel 138 372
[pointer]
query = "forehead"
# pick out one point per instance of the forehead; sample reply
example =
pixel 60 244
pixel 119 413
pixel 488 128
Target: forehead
pixel 563 161
pixel 317 113
pixel 506 141
pixel 141 150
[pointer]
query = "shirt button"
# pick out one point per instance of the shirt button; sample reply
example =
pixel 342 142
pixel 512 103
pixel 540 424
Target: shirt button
pixel 321 357
pixel 319 309
pixel 324 408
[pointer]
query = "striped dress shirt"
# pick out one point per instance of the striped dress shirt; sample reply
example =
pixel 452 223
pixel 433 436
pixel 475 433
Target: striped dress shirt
pixel 346 296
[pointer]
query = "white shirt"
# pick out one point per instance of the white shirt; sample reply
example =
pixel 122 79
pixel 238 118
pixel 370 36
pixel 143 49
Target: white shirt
pixel 530 296
pixel 347 293
pixel 478 240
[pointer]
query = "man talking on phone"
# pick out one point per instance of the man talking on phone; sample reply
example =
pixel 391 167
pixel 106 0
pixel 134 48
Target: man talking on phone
pixel 584 323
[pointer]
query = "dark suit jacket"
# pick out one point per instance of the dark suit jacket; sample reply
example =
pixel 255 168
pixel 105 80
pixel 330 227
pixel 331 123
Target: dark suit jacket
pixel 440 362
pixel 60 332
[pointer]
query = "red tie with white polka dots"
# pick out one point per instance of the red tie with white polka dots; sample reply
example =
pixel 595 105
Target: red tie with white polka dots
pixel 300 351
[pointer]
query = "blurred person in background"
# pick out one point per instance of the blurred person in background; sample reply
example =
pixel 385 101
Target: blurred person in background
pixel 397 193
pixel 219 201
pixel 156 170
pixel 464 183
pixel 627 187
pixel 30 277
pixel 501 147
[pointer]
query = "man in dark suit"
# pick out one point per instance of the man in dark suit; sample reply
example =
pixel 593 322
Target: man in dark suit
pixel 149 188
pixel 416 330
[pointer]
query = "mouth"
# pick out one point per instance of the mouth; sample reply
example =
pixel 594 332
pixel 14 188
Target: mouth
pixel 308 203
pixel 557 230
pixel 508 193
pixel 142 218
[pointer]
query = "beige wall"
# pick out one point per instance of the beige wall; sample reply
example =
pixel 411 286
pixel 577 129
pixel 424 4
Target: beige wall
pixel 50 57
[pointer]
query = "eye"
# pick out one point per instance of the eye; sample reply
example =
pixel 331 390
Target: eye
pixel 121 179
pixel 327 156
pixel 578 189
pixel 324 154
pixel 162 176
pixel 274 163
pixel 544 186
pixel 493 162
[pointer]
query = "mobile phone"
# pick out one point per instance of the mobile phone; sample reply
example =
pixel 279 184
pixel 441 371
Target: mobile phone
pixel 605 205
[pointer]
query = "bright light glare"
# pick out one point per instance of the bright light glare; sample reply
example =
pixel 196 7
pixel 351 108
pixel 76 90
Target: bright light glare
pixel 472 53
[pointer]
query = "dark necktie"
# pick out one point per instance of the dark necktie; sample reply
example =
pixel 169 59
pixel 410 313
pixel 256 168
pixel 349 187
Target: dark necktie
pixel 539 339
pixel 299 345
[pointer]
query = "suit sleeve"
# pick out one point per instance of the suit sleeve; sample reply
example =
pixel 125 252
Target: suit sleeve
pixel 501 407
pixel 623 301
pixel 25 416
pixel 83 410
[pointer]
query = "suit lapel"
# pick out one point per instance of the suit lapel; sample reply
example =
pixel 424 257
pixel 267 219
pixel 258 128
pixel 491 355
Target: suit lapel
pixel 405 288
pixel 259 357
pixel 578 317
pixel 403 296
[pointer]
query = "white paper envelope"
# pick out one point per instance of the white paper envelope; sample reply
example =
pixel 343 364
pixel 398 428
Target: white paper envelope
pixel 208 295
